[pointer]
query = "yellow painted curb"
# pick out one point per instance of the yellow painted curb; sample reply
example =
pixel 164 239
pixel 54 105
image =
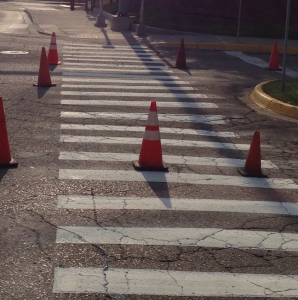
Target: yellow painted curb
pixel 260 98
pixel 227 47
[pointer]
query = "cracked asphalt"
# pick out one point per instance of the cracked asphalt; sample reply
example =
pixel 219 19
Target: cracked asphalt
pixel 30 217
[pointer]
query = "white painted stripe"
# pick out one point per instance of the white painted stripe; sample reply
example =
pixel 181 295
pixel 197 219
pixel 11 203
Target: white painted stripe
pixel 217 205
pixel 115 65
pixel 128 87
pixel 141 129
pixel 156 61
pixel 162 77
pixel 110 53
pixel 210 119
pixel 53 47
pixel 144 57
pixel 138 103
pixel 249 59
pixel 187 178
pixel 107 46
pixel 258 62
pixel 184 237
pixel 137 141
pixel 170 159
pixel 80 55
pixel 173 283
pixel 130 94
pixel 116 49
pixel 147 71
pixel 162 82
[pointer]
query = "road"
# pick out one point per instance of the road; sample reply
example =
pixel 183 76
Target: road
pixel 78 222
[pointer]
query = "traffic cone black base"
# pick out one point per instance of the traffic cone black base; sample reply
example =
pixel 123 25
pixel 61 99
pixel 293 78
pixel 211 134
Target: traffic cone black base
pixel 251 174
pixel 163 168
pixel 10 165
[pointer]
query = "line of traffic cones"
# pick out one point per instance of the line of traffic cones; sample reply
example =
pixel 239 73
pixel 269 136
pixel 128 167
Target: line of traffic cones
pixel 44 77
pixel 6 161
pixel 150 158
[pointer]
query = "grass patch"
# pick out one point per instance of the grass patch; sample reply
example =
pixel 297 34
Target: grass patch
pixel 290 95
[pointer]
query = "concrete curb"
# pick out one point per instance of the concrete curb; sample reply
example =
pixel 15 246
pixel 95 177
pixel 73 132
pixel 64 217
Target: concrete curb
pixel 265 101
pixel 227 47
pixel 34 22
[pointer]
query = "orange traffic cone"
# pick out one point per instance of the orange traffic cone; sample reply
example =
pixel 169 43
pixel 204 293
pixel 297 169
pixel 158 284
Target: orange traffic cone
pixel 150 158
pixel 181 61
pixel 5 158
pixel 273 63
pixel 53 52
pixel 252 167
pixel 44 77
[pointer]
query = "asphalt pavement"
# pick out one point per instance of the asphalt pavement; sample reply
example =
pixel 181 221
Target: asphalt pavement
pixel 78 222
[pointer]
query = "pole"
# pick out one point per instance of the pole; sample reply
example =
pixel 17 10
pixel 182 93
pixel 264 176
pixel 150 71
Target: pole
pixel 285 46
pixel 142 12
pixel 239 18
pixel 100 7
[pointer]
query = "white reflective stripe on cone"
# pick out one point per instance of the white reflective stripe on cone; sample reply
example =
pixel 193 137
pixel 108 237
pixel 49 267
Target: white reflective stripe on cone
pixel 53 47
pixel 151 135
pixel 152 119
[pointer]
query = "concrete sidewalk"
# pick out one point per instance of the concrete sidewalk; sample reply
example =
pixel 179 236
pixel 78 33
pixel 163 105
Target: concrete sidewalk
pixel 80 24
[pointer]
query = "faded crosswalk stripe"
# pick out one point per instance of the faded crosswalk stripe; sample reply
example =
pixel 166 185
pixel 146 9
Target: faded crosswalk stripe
pixel 172 130
pixel 184 204
pixel 173 283
pixel 189 178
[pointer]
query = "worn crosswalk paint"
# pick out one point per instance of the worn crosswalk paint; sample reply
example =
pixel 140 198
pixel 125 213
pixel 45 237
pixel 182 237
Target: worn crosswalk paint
pixel 117 75
pixel 115 60
pixel 186 178
pixel 136 94
pixel 210 119
pixel 147 81
pixel 109 53
pixel 108 46
pixel 79 55
pixel 115 69
pixel 184 204
pixel 116 65
pixel 138 103
pixel 134 68
pixel 184 237
pixel 170 159
pixel 173 283
pixel 171 130
pixel 127 87
pixel 137 141
pixel 116 49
